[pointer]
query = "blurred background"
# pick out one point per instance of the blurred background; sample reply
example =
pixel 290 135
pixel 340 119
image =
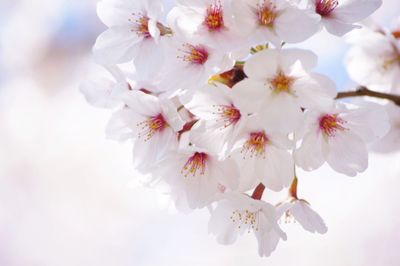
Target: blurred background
pixel 69 197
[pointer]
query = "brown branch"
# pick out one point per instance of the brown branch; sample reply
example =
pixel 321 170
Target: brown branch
pixel 363 91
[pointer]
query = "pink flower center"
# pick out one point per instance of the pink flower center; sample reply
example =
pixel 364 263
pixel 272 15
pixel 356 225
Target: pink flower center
pixel 229 114
pixel 281 82
pixel 255 145
pixel 214 19
pixel 194 54
pixel 266 13
pixel 140 25
pixel 330 124
pixel 325 7
pixel 152 126
pixel 195 164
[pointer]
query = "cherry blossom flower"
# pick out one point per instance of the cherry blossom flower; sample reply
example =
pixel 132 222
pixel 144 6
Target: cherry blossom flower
pixel 262 155
pixel 282 80
pixel 222 111
pixel 237 214
pixel 338 16
pixel 300 210
pixel 197 175
pixel 206 21
pixel 273 21
pixel 152 124
pixel 374 61
pixel 134 31
pixel 339 137
pixel 189 65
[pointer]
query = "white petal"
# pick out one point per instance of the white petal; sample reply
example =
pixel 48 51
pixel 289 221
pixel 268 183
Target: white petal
pixel 347 154
pixel 294 25
pixel 356 10
pixel 308 218
pixel 116 45
pixel 309 156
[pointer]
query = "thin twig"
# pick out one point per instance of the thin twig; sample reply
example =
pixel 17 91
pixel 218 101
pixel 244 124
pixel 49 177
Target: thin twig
pixel 363 91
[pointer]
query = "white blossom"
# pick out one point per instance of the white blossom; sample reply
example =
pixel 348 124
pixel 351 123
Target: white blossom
pixel 274 21
pixel 152 124
pixel 339 136
pixel 283 80
pixel 338 17
pixel 237 214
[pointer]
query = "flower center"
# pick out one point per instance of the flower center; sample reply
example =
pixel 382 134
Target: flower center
pixel 229 114
pixel 196 163
pixel 214 19
pixel 281 82
pixel 255 145
pixel 151 126
pixel 325 7
pixel 194 54
pixel 245 219
pixel 266 13
pixel 330 124
pixel 388 63
pixel 140 25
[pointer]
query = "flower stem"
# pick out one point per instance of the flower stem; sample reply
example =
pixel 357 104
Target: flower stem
pixel 293 188
pixel 258 192
pixel 363 91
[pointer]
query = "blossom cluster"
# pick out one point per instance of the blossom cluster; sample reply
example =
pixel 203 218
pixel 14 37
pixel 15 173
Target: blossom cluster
pixel 374 62
pixel 220 110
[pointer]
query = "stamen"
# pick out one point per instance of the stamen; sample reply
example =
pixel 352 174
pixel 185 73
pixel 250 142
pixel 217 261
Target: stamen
pixel 229 114
pixel 266 13
pixel 325 7
pixel 330 124
pixel 255 145
pixel 214 18
pixel 281 82
pixel 246 219
pixel 195 164
pixel 151 126
pixel 194 54
pixel 140 25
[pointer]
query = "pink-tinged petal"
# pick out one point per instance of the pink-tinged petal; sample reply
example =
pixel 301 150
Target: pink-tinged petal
pixel 221 225
pixel 315 91
pixel 294 25
pixel 310 156
pixel 337 27
pixel 308 218
pixel 267 243
pixel 278 169
pixel 116 13
pixel 356 10
pixel 286 121
pixel 142 103
pixel 347 153
pixel 249 89
pixel 370 121
pixel 227 173
pixel 289 57
pixel 149 59
pixel 262 65
pixel 101 93
pixel 116 45
pixel 122 125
